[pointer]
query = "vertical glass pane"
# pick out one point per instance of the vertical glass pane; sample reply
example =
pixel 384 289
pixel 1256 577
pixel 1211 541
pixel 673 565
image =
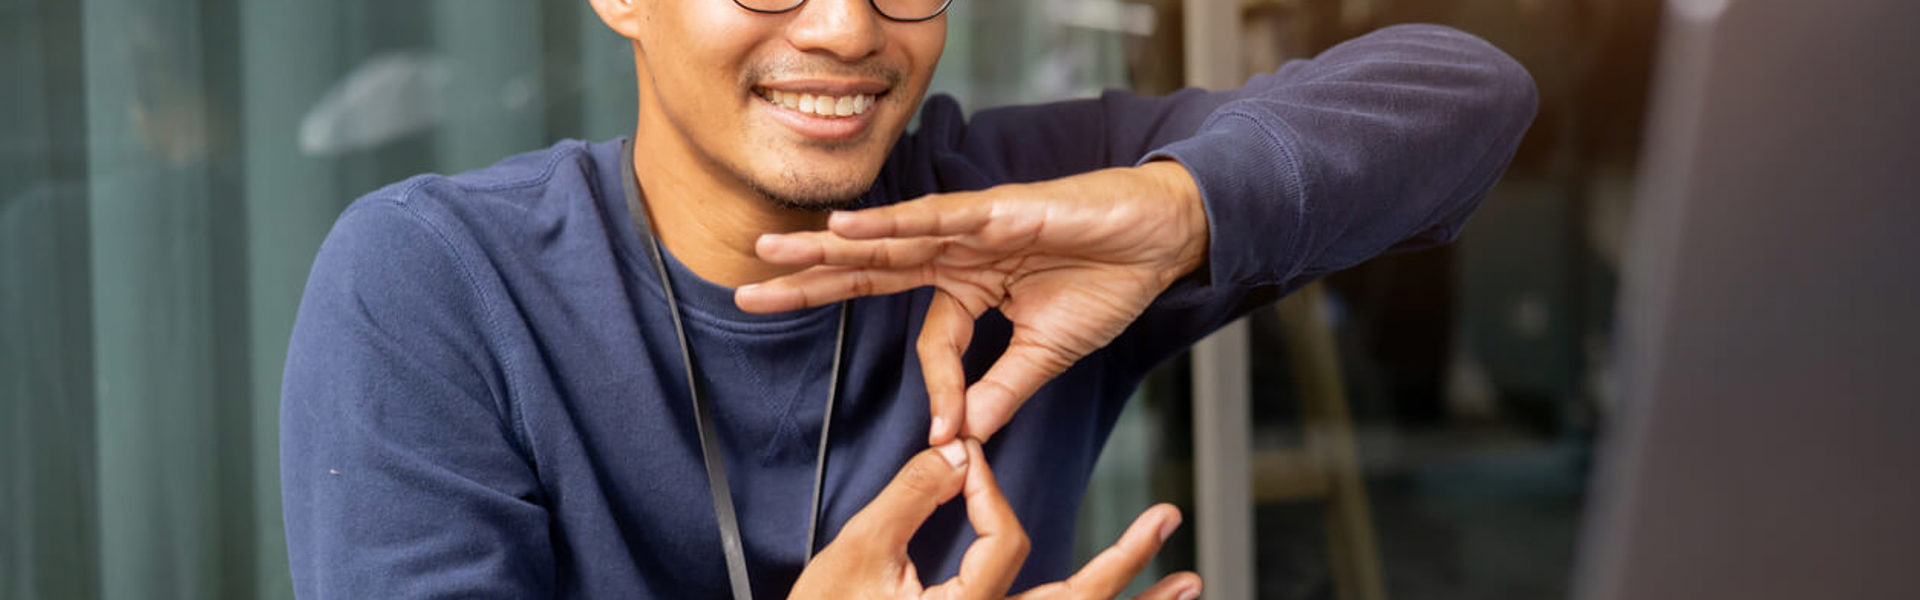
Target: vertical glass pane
pixel 1471 373
pixel 46 409
pixel 167 173
pixel 47 527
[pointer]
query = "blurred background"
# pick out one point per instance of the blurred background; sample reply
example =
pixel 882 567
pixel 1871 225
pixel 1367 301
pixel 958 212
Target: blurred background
pixel 1420 426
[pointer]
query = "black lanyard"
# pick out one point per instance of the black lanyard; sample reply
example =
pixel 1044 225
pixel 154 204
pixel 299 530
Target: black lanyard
pixel 703 411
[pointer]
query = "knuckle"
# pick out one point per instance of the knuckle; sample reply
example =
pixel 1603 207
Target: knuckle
pixel 1018 542
pixel 922 475
pixel 928 345
pixel 1003 389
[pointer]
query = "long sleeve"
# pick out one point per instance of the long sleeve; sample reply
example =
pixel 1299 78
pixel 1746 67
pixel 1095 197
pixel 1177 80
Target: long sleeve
pixel 1384 142
pixel 1387 141
pixel 403 473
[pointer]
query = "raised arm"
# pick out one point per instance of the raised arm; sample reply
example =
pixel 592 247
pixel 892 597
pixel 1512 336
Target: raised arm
pixel 1385 141
pixel 400 466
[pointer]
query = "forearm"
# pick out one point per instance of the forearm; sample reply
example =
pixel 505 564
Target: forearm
pixel 1386 141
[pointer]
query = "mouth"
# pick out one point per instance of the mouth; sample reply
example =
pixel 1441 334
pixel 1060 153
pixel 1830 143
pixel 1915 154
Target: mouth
pixel 823 112
pixel 823 105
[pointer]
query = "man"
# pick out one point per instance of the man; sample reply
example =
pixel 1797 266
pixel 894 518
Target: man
pixel 487 393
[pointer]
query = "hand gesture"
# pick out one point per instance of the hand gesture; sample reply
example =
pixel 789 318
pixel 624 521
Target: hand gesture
pixel 1070 262
pixel 868 560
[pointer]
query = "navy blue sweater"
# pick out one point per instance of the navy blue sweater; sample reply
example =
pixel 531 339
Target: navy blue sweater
pixel 484 396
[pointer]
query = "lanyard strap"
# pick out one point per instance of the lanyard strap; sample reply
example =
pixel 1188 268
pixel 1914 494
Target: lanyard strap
pixel 710 451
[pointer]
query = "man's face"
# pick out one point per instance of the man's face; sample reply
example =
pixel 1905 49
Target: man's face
pixel 801 106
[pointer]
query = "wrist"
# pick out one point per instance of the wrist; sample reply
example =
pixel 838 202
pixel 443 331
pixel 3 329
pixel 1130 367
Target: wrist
pixel 1189 215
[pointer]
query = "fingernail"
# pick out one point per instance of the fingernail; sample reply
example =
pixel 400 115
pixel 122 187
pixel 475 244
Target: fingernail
pixel 1189 594
pixel 1166 529
pixel 748 288
pixel 939 426
pixel 955 454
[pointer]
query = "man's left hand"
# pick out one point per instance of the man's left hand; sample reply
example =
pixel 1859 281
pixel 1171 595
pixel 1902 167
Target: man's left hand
pixel 1070 262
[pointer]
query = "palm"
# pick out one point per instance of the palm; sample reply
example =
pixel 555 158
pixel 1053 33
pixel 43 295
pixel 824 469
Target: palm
pixel 1068 312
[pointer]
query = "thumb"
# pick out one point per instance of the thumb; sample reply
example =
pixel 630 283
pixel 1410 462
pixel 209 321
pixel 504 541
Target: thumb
pixel 929 479
pixel 1020 372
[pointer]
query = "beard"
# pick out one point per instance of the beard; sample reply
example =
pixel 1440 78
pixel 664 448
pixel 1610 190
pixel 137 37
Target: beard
pixel 811 196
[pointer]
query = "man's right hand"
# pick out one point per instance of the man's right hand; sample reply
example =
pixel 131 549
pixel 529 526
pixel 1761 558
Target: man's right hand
pixel 869 558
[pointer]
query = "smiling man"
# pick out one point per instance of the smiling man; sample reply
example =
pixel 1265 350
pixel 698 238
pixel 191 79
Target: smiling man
pixel 693 363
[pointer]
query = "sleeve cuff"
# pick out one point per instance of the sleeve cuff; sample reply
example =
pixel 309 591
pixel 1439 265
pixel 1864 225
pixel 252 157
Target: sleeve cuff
pixel 1254 194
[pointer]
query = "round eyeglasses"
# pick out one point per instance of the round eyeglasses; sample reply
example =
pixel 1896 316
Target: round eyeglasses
pixel 909 11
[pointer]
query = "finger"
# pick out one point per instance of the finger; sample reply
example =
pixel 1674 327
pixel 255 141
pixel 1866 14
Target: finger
pixel 990 564
pixel 944 337
pixel 1185 585
pixel 928 480
pixel 1012 379
pixel 825 285
pixel 809 248
pixel 1110 571
pixel 936 215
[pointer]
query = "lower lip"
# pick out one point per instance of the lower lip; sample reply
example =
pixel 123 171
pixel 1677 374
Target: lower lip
pixel 815 127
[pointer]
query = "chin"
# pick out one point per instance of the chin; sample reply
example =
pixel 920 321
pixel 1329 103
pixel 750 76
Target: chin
pixel 815 196
pixel 821 188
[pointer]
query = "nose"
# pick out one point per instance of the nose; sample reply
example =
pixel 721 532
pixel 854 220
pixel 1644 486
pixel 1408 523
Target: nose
pixel 848 30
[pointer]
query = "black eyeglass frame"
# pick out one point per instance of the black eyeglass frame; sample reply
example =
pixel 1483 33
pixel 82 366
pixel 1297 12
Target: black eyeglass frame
pixel 874 3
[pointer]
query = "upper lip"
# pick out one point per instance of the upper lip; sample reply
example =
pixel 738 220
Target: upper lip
pixel 826 87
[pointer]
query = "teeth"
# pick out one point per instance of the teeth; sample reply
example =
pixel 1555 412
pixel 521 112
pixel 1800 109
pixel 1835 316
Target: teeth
pixel 825 106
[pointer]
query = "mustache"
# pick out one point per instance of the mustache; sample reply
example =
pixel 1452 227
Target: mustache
pixel 798 68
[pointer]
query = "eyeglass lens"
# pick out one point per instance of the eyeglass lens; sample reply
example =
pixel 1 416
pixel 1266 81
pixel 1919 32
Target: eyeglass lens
pixel 898 10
